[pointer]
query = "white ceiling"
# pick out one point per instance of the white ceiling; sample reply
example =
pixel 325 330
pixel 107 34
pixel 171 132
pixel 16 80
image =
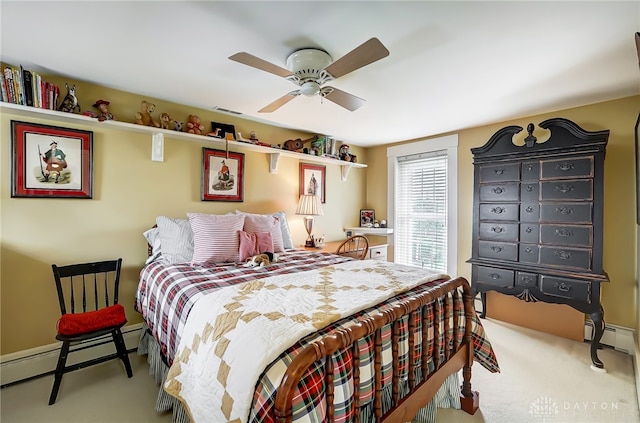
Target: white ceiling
pixel 452 65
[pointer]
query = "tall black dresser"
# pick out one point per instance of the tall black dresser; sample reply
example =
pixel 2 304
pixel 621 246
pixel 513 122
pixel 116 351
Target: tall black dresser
pixel 537 219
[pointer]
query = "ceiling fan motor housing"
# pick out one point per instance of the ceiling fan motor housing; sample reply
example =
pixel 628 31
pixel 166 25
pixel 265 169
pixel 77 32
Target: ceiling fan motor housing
pixel 308 65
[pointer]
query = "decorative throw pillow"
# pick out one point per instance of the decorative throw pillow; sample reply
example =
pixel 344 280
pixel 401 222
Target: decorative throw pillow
pixel 265 223
pixel 215 237
pixel 176 240
pixel 256 243
pixel 153 239
pixel 79 323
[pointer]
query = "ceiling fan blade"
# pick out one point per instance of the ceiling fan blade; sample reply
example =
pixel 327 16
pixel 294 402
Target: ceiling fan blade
pixel 341 98
pixel 368 52
pixel 279 102
pixel 258 63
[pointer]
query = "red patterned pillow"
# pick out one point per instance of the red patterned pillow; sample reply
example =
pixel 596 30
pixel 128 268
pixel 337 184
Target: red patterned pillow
pixel 79 323
pixel 256 243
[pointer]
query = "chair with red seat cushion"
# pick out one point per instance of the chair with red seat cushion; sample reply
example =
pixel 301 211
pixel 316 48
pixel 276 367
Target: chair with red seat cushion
pixel 88 297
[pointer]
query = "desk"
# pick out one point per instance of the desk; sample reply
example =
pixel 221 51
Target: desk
pixel 376 251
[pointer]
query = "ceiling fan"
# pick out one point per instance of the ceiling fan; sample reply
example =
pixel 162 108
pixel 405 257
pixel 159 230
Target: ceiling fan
pixel 311 68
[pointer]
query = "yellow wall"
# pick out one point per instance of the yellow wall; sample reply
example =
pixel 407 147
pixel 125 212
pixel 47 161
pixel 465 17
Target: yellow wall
pixel 129 192
pixel 619 116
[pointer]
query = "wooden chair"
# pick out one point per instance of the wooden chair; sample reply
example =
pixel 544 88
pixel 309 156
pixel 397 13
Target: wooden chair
pixel 88 296
pixel 356 246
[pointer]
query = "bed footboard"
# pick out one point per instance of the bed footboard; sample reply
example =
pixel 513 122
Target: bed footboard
pixel 448 357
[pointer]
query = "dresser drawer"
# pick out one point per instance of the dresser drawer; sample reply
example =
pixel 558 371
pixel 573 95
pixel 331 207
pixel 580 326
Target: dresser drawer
pixel 529 191
pixel 580 236
pixel 529 232
pixel 378 252
pixel 527 280
pixel 497 250
pixel 508 191
pixel 567 168
pixel 500 173
pixel 529 253
pixel 529 212
pixel 499 231
pixel 565 288
pixel 574 189
pixel 578 258
pixel 499 212
pixel 530 171
pixel 493 276
pixel 566 212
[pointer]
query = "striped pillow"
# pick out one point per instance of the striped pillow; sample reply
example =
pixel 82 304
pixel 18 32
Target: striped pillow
pixel 176 240
pixel 265 223
pixel 215 237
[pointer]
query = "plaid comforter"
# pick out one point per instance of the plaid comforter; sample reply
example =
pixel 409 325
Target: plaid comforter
pixel 167 293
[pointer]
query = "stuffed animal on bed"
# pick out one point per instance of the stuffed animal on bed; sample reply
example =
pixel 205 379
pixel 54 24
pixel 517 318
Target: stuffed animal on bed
pixel 261 260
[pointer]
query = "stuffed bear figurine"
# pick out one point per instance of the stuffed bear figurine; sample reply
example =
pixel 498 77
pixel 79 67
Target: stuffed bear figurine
pixel 193 125
pixel 143 117
pixel 165 121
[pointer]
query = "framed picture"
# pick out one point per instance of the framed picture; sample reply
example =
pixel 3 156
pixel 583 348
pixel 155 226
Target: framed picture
pixel 50 162
pixel 222 175
pixel 367 216
pixel 637 133
pixel 312 180
pixel 222 129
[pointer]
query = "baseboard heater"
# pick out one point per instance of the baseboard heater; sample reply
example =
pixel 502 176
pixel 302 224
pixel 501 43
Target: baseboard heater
pixel 617 337
pixel 41 361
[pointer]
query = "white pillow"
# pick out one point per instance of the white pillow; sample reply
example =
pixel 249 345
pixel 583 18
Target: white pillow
pixel 176 240
pixel 153 239
pixel 215 237
pixel 265 223
pixel 287 241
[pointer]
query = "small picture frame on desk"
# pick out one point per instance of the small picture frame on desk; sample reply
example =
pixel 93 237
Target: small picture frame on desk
pixel 367 217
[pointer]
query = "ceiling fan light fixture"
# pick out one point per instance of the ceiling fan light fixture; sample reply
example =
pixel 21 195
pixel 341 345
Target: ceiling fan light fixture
pixel 310 88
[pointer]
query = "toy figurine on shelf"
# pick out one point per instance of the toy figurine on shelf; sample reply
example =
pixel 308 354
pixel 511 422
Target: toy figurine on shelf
pixel 103 110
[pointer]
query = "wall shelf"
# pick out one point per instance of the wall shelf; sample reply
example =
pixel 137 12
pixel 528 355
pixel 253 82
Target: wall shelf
pixel 361 230
pixel 157 136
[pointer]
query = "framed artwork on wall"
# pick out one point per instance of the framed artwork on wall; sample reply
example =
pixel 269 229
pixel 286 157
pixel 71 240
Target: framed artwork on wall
pixel 312 180
pixel 50 161
pixel 367 216
pixel 222 175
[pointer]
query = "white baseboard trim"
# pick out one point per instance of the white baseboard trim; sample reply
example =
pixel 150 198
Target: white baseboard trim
pixel 618 337
pixel 37 361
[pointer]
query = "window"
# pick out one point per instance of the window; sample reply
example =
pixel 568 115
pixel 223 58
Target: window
pixel 423 197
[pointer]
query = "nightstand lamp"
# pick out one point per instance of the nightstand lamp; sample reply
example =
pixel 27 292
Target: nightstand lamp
pixel 309 206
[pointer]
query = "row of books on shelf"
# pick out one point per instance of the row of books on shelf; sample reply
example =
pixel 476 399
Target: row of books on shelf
pixel 27 88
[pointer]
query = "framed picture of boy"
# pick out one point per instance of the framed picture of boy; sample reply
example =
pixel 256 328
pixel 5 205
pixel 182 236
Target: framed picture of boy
pixel 312 180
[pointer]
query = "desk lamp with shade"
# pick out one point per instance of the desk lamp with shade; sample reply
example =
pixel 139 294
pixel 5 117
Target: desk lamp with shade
pixel 309 206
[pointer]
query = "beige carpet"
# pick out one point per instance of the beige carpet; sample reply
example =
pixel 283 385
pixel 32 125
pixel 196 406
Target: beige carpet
pixel 544 379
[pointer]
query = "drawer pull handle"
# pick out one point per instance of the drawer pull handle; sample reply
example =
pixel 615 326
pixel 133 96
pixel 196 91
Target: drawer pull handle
pixel 498 210
pixel 497 229
pixel 529 167
pixel 529 188
pixel 496 249
pixel 564 232
pixel 497 190
pixel 499 171
pixel 527 279
pixel 528 250
pixel 529 209
pixel 494 276
pixel 563 255
pixel 564 210
pixel 564 188
pixel 564 166
pixel 563 287
pixel 529 229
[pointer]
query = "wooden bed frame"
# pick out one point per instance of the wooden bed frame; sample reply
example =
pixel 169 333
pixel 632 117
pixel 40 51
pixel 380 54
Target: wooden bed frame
pixel 459 356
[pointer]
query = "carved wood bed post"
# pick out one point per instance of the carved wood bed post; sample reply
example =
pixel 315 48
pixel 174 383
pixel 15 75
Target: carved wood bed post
pixel 469 400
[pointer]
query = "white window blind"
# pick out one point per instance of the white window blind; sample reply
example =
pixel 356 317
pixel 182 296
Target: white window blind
pixel 421 210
